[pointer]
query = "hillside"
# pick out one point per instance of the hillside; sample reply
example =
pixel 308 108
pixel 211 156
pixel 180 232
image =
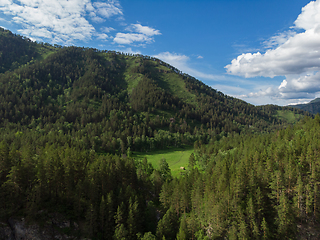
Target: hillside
pixel 312 107
pixel 119 100
pixel 70 119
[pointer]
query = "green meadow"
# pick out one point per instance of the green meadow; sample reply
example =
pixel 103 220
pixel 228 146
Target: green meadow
pixel 175 157
pixel 289 116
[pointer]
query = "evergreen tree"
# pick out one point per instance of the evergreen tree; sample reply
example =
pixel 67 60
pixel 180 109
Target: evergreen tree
pixel 183 229
pixel 121 231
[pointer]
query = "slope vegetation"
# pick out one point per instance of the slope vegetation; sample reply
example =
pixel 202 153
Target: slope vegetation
pixel 312 107
pixel 70 119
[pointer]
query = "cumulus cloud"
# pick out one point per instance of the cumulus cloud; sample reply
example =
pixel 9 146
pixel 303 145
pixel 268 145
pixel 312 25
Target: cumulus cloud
pixel 137 33
pixel 181 62
pixel 59 20
pixel 294 54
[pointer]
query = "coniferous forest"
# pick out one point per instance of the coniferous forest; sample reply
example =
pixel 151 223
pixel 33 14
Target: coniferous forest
pixel 71 120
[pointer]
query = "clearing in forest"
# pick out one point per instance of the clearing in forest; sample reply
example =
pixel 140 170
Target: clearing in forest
pixel 175 157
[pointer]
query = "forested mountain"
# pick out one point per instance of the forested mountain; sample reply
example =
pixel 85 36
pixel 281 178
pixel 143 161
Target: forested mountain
pixel 71 117
pixel 111 102
pixel 312 107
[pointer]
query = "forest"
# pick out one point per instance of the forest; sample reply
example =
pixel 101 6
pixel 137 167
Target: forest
pixel 72 118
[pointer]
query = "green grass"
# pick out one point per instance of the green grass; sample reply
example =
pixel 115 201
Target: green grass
pixel 289 116
pixel 176 86
pixel 45 51
pixel 175 157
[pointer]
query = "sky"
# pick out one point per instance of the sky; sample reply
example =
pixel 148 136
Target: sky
pixel 261 51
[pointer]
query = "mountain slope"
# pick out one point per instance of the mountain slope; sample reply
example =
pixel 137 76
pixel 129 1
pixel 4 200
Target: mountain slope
pixel 312 107
pixel 131 102
pixel 17 50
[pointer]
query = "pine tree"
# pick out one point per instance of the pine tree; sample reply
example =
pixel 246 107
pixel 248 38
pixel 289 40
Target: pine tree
pixel 243 234
pixel 183 230
pixel 285 220
pixel 103 216
pixel 233 232
pixel 168 225
pixel 91 219
pixel 121 232
pixel 265 229
pixel 192 161
pixel 133 218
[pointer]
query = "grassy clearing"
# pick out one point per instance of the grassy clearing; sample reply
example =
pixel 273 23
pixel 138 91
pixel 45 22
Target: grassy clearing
pixel 45 51
pixel 176 86
pixel 175 157
pixel 289 116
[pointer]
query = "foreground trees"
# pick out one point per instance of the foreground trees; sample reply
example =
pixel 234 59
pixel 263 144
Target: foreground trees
pixel 257 186
pixel 105 191
pixel 253 187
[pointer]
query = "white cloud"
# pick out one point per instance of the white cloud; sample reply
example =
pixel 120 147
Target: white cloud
pixel 139 33
pixel 102 36
pixel 173 58
pixel 181 62
pixel 96 18
pixel 109 9
pixel 292 90
pixel 294 54
pixel 279 39
pixel 145 30
pixel 107 29
pixel 65 21
pixel 128 38
pixel 59 20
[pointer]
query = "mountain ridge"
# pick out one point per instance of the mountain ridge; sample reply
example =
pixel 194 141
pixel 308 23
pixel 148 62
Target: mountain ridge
pixel 313 106
pixel 72 85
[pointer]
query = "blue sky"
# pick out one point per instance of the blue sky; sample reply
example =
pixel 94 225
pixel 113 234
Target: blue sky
pixel 261 51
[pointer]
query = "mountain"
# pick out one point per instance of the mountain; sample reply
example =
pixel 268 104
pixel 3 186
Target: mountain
pixel 312 107
pixel 70 119
pixel 120 100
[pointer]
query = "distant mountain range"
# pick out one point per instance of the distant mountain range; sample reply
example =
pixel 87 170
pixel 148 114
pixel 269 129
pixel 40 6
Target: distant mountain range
pixel 312 107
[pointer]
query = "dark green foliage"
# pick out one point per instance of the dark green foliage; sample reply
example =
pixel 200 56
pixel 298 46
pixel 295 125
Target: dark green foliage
pixel 82 98
pixel 84 183
pixel 253 187
pixel 15 50
pixel 70 122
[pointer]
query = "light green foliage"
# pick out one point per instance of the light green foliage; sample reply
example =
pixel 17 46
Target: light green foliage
pixel 289 116
pixel 175 157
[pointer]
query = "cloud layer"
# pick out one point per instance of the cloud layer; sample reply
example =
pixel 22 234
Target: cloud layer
pixel 65 21
pixel 59 20
pixel 294 54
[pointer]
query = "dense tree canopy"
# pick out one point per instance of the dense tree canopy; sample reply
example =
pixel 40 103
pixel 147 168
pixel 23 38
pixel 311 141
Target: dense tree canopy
pixel 71 117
